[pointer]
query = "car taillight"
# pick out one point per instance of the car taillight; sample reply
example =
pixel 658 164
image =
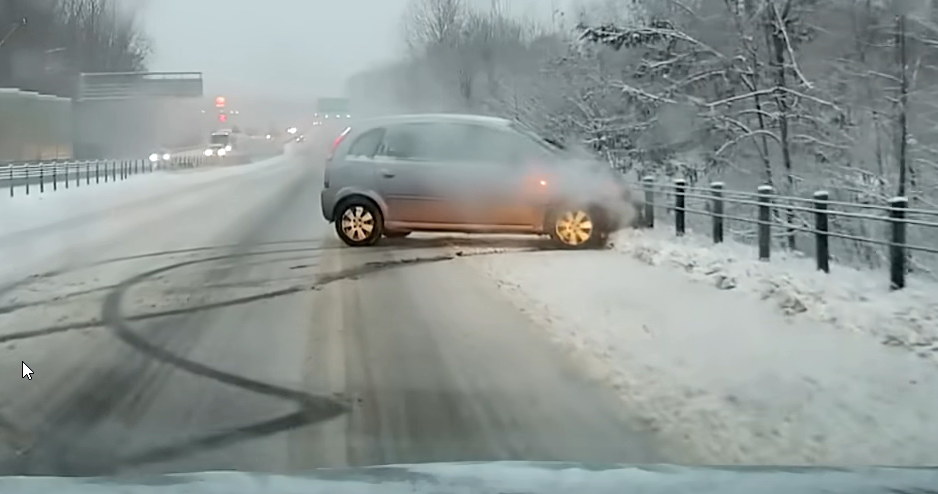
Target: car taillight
pixel 338 142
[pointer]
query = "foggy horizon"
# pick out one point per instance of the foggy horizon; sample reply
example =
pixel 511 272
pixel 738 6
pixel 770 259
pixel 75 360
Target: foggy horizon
pixel 294 49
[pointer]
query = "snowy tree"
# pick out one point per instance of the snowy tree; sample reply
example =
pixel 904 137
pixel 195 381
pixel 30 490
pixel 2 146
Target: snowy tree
pixel 800 94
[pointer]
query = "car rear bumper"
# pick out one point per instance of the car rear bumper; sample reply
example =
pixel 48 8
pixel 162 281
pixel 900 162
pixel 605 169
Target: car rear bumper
pixel 327 203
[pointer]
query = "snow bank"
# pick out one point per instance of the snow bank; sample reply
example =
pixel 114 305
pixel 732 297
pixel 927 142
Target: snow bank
pixel 739 361
pixel 847 298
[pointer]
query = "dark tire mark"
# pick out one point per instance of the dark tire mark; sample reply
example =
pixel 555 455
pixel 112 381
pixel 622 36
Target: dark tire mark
pixel 164 253
pixel 311 408
pixel 211 441
pixel 73 439
pixel 72 295
pixel 97 323
pixel 34 333
pixel 25 305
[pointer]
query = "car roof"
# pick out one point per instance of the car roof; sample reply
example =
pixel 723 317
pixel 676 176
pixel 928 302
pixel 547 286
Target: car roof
pixel 368 123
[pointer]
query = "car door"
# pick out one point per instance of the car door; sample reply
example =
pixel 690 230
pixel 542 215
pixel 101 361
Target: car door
pixel 412 173
pixel 501 166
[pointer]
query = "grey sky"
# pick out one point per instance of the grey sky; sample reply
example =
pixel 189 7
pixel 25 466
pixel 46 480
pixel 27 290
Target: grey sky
pixel 284 48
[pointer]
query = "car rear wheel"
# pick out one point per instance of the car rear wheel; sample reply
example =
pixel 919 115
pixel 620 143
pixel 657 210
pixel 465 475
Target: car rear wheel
pixel 359 223
pixel 576 228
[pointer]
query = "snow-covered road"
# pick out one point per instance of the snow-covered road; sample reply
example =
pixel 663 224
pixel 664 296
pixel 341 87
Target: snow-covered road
pixel 209 319
pixel 212 320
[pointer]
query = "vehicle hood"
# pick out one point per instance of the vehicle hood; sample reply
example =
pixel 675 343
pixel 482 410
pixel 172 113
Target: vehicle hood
pixel 508 477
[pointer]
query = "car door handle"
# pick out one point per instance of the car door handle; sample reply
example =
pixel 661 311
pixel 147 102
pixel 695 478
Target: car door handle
pixel 387 173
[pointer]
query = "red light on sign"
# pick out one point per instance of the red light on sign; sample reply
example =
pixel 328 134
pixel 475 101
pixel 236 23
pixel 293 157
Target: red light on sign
pixel 220 102
pixel 222 117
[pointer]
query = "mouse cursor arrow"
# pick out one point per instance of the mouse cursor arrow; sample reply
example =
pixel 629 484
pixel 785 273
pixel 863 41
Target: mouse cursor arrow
pixel 27 372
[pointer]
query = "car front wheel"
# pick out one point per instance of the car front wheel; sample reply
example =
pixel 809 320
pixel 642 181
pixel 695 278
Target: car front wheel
pixel 359 223
pixel 576 228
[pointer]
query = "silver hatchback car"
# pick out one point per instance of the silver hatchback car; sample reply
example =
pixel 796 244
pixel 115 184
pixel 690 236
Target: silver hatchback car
pixel 466 173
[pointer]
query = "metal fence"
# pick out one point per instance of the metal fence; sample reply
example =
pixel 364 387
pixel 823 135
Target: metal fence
pixel 778 220
pixel 33 178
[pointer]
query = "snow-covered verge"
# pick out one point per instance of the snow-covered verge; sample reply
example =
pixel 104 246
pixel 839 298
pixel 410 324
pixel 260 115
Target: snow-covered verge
pixel 29 212
pixel 37 232
pixel 739 360
pixel 847 298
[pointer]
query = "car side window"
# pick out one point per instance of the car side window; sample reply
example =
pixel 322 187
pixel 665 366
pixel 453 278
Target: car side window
pixel 366 145
pixel 399 141
pixel 422 142
pixel 501 146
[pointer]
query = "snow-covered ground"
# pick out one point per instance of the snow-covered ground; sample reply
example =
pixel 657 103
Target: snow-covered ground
pixel 29 212
pixel 745 361
pixel 39 227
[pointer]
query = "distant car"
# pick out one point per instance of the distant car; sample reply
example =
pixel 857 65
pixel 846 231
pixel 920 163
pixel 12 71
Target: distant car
pixel 161 155
pixel 219 144
pixel 466 173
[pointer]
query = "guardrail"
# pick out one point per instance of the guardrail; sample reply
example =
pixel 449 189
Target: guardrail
pixel 771 210
pixel 31 178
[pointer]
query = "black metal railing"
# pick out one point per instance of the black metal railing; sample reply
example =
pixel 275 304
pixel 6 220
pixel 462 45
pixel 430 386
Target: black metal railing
pixel 780 219
pixel 42 177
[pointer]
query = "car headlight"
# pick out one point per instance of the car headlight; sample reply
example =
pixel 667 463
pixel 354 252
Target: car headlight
pixel 166 156
pixel 222 152
pixel 208 152
pixel 154 157
pixel 228 147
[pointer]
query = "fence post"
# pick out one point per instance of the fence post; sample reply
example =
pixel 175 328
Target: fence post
pixel 27 178
pixel 66 174
pixel 114 170
pixel 42 178
pixel 97 172
pixel 821 227
pixel 11 180
pixel 649 186
pixel 897 207
pixel 765 218
pixel 680 203
pixel 717 190
pixel 55 177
